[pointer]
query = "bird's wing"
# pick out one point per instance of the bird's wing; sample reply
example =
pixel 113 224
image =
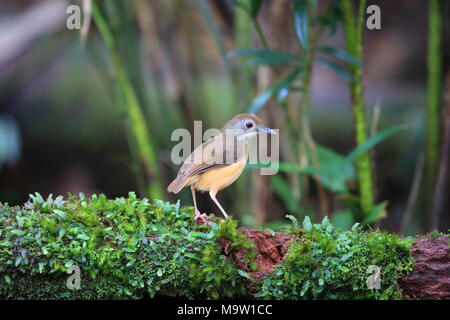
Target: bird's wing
pixel 217 152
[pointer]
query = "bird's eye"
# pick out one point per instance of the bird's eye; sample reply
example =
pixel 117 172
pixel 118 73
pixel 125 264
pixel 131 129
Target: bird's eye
pixel 249 125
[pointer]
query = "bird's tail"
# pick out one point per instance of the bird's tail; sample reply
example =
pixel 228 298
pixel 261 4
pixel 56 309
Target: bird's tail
pixel 176 185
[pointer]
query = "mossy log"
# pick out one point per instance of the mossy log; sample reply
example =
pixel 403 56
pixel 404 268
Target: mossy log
pixel 430 277
pixel 131 248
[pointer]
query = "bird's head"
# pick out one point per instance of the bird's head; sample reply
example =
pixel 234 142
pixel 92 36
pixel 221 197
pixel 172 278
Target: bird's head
pixel 246 125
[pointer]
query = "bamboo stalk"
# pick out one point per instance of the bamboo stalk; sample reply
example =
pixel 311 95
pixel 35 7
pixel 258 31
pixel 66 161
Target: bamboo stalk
pixel 433 124
pixel 353 42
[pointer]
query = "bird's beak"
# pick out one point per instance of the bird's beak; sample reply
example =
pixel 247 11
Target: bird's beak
pixel 267 130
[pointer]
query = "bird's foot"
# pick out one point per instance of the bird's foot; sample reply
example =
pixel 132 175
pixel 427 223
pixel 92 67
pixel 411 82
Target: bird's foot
pixel 200 218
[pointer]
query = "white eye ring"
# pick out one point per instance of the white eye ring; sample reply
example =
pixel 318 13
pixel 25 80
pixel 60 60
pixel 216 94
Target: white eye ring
pixel 249 125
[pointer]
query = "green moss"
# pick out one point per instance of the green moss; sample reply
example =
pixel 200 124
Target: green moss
pixel 125 248
pixel 325 263
pixel 49 224
pixel 437 234
pixel 132 248
pixel 215 275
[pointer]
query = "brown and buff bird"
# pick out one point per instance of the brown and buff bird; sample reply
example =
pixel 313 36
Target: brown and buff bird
pixel 219 161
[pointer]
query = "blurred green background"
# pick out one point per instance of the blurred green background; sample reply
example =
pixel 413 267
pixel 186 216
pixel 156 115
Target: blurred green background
pixel 66 124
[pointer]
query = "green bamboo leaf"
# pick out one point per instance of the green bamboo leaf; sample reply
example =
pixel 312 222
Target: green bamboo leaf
pixel 263 97
pixel 334 169
pixel 284 90
pixel 332 179
pixel 376 213
pixel 332 16
pixel 255 5
pixel 269 92
pixel 343 72
pixel 283 166
pixel 282 95
pixel 301 21
pixel 265 57
pixel 288 167
pixel 373 141
pixel 339 54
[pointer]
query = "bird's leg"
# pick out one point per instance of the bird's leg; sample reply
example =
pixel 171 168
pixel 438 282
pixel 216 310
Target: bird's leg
pixel 212 194
pixel 198 215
